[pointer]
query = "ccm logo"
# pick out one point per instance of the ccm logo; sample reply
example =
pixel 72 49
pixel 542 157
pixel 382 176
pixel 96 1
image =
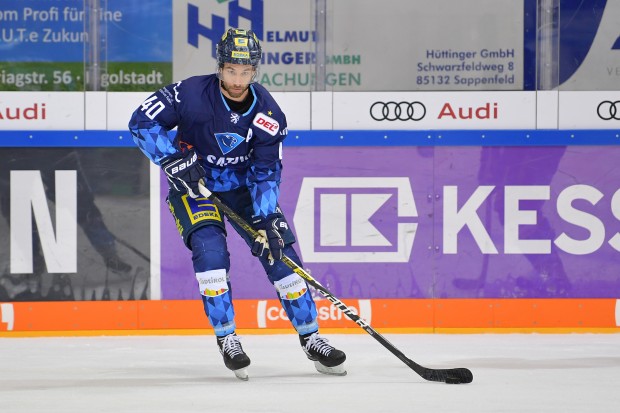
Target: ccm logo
pixel 264 122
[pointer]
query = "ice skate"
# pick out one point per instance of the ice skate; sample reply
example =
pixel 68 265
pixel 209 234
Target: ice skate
pixel 327 359
pixel 234 356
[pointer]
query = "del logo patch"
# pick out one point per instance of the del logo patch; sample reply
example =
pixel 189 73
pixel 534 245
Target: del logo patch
pixel 228 141
pixel 264 122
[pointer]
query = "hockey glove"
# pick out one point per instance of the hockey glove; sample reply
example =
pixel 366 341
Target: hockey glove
pixel 270 231
pixel 184 173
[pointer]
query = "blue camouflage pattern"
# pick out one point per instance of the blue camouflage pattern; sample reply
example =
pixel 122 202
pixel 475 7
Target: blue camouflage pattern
pixel 235 149
pixel 302 313
pixel 221 313
pixel 155 143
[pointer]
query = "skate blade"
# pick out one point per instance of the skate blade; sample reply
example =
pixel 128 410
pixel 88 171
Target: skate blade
pixel 332 371
pixel 242 374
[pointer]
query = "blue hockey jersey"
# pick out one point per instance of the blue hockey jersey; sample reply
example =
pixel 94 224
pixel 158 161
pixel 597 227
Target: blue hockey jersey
pixel 236 149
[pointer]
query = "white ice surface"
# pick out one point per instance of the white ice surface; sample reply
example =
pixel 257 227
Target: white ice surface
pixel 512 373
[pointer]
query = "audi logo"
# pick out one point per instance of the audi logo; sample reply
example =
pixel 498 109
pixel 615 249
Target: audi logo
pixel 608 110
pixel 392 111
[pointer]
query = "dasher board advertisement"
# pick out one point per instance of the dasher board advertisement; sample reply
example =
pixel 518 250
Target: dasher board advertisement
pixel 437 222
pixel 74 224
pixel 434 110
pixel 394 45
pixel 589 56
pixel 44 44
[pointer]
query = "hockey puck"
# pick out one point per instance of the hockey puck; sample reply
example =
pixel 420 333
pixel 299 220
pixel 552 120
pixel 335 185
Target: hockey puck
pixel 453 380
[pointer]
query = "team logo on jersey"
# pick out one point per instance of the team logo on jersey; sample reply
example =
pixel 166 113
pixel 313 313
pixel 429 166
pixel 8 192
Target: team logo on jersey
pixel 228 141
pixel 234 117
pixel 266 123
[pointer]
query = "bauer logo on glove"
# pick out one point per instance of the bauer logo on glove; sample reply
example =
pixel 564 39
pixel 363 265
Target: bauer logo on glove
pixel 183 165
pixel 184 172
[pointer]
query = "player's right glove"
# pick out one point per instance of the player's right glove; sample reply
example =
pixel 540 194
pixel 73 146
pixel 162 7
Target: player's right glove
pixel 184 173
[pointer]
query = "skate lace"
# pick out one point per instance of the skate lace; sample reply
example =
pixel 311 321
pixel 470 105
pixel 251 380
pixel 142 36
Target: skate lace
pixel 318 344
pixel 231 345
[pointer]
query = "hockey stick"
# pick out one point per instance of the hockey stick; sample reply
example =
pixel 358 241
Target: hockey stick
pixel 451 376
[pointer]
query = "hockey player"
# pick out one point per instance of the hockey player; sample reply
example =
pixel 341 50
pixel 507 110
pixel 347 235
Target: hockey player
pixel 229 134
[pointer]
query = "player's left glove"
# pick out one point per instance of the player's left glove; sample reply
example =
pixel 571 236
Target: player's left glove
pixel 270 229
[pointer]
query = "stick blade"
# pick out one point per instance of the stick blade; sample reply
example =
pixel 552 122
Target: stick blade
pixel 450 376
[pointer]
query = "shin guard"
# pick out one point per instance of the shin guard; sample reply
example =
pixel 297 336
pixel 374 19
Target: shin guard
pixel 297 303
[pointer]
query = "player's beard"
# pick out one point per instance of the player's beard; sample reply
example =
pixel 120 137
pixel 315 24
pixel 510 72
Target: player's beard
pixel 235 92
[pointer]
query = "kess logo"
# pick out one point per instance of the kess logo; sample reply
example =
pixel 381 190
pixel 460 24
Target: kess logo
pixel 356 219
